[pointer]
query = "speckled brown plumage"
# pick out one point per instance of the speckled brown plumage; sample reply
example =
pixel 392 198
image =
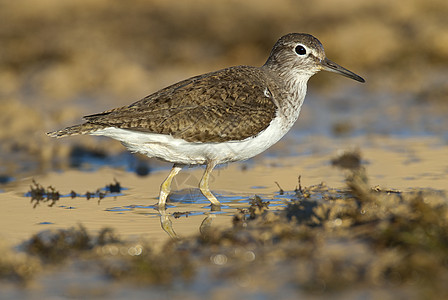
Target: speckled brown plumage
pixel 219 117
pixel 227 105
pixel 230 104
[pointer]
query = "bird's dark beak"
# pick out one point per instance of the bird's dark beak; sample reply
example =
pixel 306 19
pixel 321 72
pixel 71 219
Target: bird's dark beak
pixel 330 66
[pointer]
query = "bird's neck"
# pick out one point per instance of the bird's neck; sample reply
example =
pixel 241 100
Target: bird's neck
pixel 293 86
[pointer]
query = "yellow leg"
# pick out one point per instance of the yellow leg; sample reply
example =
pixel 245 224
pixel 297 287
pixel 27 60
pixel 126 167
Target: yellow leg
pixel 166 186
pixel 206 224
pixel 203 185
pixel 166 224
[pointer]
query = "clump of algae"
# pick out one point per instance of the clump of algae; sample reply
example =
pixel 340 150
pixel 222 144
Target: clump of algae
pixel 55 246
pixel 328 240
pixel 375 238
pixel 325 240
pixel 17 267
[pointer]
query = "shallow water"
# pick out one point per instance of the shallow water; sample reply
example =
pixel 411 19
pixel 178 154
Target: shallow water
pixel 397 163
pixel 397 121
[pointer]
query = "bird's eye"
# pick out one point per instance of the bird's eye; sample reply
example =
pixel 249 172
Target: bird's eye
pixel 300 50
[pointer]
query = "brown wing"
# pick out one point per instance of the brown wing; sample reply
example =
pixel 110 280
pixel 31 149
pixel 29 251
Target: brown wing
pixel 230 104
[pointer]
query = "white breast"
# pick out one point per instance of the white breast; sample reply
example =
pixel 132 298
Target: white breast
pixel 180 151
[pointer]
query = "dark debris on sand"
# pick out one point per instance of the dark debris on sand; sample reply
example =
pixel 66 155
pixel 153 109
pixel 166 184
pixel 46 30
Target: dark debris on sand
pixel 39 194
pixel 324 241
pixel 350 160
pixel 54 246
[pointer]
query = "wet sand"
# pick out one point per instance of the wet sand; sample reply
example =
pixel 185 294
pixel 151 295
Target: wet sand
pixel 398 164
pixel 197 239
pixel 380 234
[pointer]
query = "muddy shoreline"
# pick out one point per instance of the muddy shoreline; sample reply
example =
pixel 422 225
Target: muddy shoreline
pixel 367 219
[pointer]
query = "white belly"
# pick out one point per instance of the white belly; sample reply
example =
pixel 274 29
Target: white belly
pixel 179 151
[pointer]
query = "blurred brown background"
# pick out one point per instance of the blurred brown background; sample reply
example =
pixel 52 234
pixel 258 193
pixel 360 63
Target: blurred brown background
pixel 60 60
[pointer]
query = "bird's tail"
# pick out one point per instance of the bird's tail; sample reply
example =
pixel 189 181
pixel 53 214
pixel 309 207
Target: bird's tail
pixel 85 128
